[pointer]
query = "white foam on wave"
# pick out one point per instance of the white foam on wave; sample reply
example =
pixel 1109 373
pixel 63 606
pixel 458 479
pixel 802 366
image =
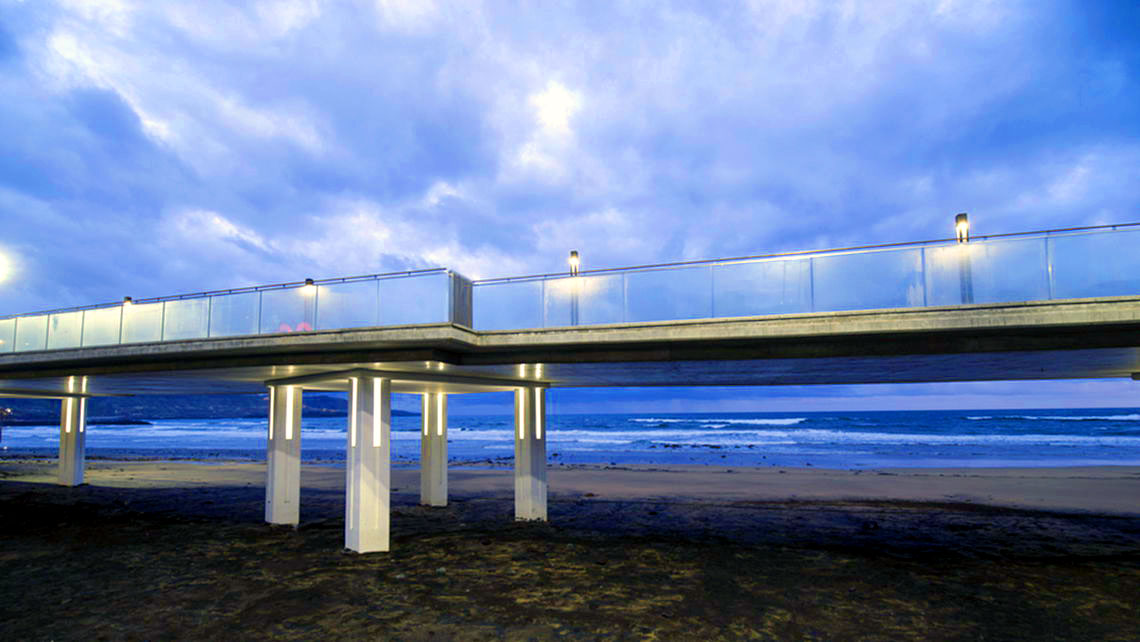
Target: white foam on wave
pixel 1060 417
pixel 788 421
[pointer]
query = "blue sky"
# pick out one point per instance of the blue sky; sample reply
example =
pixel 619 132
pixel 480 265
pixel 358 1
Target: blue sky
pixel 150 148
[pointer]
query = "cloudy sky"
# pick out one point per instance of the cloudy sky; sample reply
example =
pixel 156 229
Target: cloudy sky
pixel 150 148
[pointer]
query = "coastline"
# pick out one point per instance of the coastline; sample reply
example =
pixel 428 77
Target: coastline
pixel 1109 490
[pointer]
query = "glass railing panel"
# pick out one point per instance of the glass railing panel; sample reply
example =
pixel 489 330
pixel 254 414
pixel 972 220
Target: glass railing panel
pixel 142 322
pixel 762 287
pixel 867 280
pixel 186 319
pixel 288 310
pixel 948 279
pixel 995 271
pixel 65 330
pixel 415 299
pixel 1010 270
pixel 1094 265
pixel 678 293
pixel 234 314
pixel 584 300
pixel 507 305
pixel 101 326
pixel 7 335
pixel 348 305
pixel 31 333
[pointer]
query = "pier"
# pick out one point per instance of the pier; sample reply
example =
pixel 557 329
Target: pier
pixel 1057 304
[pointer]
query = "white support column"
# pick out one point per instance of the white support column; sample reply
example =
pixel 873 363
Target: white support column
pixel 73 436
pixel 433 450
pixel 530 454
pixel 368 467
pixel 283 452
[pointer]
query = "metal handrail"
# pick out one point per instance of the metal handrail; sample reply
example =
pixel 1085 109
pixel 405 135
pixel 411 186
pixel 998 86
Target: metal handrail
pixel 855 248
pixel 244 290
pixel 550 275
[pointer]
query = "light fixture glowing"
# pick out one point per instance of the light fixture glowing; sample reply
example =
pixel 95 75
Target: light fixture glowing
pixel 538 413
pixel 310 288
pixel 128 301
pixel 352 414
pixel 439 414
pixel 962 227
pixel 575 263
pixel 82 405
pixel 377 400
pixel 289 392
pixel 272 409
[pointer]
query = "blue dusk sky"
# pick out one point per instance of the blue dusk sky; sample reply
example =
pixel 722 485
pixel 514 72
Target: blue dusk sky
pixel 151 148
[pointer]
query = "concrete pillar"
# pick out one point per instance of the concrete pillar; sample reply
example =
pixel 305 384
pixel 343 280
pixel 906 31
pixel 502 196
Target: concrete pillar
pixel 368 468
pixel 283 453
pixel 433 450
pixel 72 440
pixel 530 454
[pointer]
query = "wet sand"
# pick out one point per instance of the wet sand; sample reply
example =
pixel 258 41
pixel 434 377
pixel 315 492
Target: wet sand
pixel 178 550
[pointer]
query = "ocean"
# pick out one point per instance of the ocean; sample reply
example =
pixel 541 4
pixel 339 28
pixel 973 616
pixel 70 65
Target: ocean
pixel 846 440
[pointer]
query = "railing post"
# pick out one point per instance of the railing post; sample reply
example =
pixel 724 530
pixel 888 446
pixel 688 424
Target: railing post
pixel 1049 265
pixel 811 282
pixel 922 255
pixel 575 285
pixel 965 274
pixel 624 297
pixel 712 292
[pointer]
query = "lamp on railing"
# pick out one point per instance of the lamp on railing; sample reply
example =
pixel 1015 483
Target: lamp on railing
pixel 309 289
pixel 575 268
pixel 962 227
pixel 965 268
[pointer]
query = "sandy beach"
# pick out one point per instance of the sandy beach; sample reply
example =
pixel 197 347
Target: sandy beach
pixel 178 550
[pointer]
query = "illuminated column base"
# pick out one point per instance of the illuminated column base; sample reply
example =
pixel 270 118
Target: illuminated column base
pixel 72 441
pixel 283 452
pixel 368 471
pixel 433 450
pixel 530 454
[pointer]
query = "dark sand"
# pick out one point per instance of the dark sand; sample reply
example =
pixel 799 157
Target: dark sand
pixel 155 550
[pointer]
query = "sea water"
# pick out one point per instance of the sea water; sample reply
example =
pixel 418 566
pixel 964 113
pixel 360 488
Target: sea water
pixel 826 440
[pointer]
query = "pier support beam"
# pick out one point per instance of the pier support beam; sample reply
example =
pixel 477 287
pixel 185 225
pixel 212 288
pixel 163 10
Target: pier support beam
pixel 433 450
pixel 368 468
pixel 530 454
pixel 283 452
pixel 72 441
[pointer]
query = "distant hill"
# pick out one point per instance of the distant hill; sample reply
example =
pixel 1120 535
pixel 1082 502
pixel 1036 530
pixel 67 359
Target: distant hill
pixel 148 407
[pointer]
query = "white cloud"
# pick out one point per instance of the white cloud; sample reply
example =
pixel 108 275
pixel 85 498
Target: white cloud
pixel 545 154
pixel 285 16
pixel 202 225
pixel 555 107
pixel 353 235
pixel 407 15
